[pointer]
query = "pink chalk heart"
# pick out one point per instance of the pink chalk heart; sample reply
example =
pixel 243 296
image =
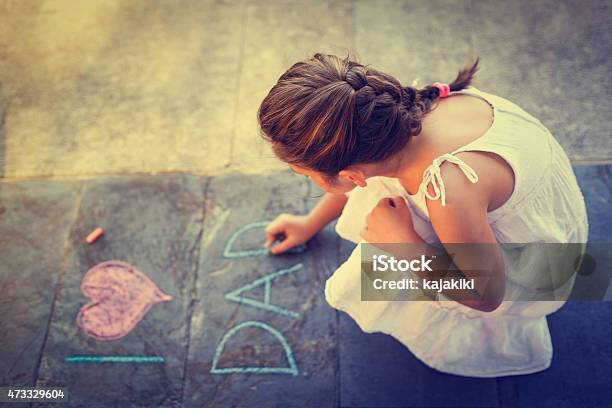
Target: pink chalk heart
pixel 120 296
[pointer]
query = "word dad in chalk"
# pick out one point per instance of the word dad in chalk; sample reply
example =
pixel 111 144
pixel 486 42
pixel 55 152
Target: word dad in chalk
pixel 228 252
pixel 292 369
pixel 266 281
pixel 238 296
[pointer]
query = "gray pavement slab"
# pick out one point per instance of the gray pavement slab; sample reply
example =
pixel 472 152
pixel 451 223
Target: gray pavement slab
pixel 582 361
pixel 579 375
pixel 541 55
pixel 252 366
pixel 111 87
pixel 223 343
pixel 596 185
pixel 35 219
pixel 378 371
pixel 154 224
pixel 3 107
pixel 414 40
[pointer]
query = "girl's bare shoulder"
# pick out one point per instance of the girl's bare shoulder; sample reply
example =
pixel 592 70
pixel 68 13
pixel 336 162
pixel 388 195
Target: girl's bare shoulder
pixel 495 183
pixel 457 121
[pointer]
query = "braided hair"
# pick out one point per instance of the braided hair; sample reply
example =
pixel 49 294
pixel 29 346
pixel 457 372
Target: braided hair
pixel 327 113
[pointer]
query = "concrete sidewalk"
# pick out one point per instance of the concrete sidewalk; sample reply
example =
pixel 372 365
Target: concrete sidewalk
pixel 139 117
pixel 178 230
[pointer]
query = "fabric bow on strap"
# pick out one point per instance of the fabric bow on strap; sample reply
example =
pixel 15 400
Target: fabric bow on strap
pixel 432 176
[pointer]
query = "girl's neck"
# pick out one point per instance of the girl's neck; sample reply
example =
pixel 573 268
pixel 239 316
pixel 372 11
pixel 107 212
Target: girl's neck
pixel 408 164
pixel 411 161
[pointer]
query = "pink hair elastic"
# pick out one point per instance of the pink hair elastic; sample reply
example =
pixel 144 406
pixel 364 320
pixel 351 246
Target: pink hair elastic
pixel 443 88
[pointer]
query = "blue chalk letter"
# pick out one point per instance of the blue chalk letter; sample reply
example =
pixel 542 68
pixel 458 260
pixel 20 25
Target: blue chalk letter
pixel 236 295
pixel 292 369
pixel 229 253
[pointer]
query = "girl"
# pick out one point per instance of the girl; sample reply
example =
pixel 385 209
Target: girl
pixel 439 165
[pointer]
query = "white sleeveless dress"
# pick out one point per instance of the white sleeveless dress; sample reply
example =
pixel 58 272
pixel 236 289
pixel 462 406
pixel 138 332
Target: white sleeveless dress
pixel 545 206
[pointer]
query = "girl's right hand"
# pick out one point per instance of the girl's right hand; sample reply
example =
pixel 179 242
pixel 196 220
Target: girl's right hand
pixel 291 230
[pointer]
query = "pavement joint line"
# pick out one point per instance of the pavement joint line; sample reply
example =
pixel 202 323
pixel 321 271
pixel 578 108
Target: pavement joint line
pixel 4 107
pixel 604 174
pixel 91 176
pixel 60 277
pixel 194 288
pixel 238 84
pixel 337 376
pixel 337 368
pixel 468 10
pixel 221 172
pixel 591 162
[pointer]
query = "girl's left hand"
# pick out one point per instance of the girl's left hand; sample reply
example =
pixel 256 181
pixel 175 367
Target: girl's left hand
pixel 390 222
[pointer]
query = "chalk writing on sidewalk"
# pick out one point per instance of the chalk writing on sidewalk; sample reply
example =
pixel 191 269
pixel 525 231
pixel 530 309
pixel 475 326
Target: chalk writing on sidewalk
pixel 238 295
pixel 230 253
pixel 266 281
pixel 291 369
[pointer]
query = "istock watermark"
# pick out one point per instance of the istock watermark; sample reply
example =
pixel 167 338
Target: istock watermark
pixel 531 272
pixel 386 263
pixel 382 263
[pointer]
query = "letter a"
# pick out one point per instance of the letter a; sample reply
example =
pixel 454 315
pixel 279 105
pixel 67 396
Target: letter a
pixel 236 295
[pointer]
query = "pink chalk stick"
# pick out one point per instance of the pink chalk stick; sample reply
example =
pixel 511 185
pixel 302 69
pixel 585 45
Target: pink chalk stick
pixel 120 297
pixel 94 235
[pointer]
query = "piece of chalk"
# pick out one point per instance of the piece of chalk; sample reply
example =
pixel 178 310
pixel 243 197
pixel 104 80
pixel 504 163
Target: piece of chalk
pixel 95 234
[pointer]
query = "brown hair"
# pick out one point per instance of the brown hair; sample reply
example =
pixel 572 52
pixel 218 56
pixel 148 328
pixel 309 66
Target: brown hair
pixel 327 113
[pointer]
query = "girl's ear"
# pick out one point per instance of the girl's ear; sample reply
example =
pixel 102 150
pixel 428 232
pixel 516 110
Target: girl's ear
pixel 354 175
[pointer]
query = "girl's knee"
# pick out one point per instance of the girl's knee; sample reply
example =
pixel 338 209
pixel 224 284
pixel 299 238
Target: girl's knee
pixel 360 202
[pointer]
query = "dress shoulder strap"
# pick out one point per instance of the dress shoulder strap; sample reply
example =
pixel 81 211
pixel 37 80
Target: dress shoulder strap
pixel 433 177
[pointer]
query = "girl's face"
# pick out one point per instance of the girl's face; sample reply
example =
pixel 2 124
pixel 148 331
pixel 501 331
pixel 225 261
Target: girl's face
pixel 339 185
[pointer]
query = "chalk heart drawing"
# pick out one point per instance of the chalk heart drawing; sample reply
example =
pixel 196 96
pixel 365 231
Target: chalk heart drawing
pixel 120 296
pixel 292 368
pixel 230 253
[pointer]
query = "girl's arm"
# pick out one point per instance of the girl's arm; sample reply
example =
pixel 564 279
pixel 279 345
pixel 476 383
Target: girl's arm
pixel 463 220
pixel 328 208
pixel 293 230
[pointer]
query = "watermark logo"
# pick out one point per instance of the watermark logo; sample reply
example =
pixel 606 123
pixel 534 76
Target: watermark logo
pixel 529 272
pixel 383 263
